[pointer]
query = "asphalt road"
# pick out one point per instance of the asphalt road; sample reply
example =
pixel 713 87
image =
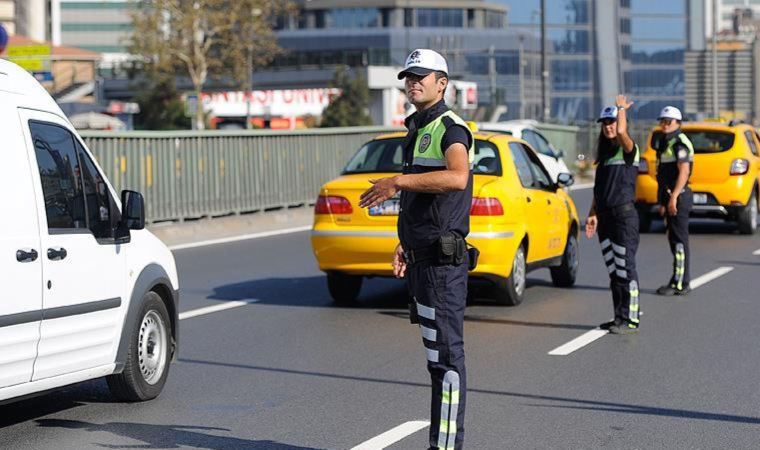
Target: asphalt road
pixel 290 371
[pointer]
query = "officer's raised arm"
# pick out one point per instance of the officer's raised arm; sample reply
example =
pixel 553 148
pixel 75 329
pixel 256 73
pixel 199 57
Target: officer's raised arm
pixel 622 104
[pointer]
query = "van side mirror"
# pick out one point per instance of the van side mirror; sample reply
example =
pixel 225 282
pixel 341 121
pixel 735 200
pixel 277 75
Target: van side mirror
pixel 133 210
pixel 560 154
pixel 565 179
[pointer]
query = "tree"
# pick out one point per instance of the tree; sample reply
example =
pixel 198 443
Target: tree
pixel 161 107
pixel 253 29
pixel 200 37
pixel 350 108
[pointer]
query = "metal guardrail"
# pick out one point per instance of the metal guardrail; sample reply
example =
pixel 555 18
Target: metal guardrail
pixel 186 174
pixel 193 174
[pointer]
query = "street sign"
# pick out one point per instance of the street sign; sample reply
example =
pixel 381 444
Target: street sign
pixel 43 76
pixel 3 38
pixel 34 58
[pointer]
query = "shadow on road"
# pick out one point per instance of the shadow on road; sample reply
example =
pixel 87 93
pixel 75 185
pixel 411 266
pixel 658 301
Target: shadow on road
pixel 573 403
pixel 168 436
pixel 65 399
pixel 502 321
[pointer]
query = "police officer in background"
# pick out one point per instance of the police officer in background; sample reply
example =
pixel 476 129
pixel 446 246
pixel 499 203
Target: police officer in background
pixel 675 160
pixel 436 196
pixel 614 216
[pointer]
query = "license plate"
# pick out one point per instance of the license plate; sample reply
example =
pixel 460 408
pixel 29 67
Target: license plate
pixel 389 207
pixel 700 199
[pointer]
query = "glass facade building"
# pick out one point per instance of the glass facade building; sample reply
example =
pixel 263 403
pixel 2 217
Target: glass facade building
pixel 570 50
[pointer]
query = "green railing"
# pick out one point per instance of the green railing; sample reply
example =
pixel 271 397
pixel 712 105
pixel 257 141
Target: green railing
pixel 193 174
pixel 212 173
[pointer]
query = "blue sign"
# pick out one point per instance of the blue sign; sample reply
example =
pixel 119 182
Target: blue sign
pixel 43 76
pixel 3 38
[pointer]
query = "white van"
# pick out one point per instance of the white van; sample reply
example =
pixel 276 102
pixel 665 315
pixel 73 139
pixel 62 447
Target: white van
pixel 87 291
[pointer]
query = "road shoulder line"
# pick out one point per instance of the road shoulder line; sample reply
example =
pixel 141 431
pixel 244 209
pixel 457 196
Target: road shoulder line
pixel 243 237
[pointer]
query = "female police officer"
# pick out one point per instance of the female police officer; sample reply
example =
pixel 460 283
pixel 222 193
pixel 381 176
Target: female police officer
pixel 613 215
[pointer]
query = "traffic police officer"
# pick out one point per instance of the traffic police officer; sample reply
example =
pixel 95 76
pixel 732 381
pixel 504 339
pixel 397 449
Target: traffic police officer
pixel 436 196
pixel 614 216
pixel 675 160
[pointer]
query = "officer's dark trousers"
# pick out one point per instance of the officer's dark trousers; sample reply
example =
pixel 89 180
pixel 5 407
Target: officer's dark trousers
pixel 677 228
pixel 619 237
pixel 440 293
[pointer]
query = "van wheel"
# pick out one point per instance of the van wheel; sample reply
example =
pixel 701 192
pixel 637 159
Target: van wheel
pixel 344 288
pixel 564 274
pixel 147 364
pixel 645 218
pixel 510 290
pixel 747 219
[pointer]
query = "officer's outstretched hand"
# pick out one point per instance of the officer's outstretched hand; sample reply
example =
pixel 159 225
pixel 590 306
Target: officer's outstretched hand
pixel 591 224
pixel 381 190
pixel 399 265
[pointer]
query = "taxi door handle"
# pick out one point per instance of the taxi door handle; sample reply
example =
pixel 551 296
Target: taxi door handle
pixel 58 254
pixel 528 198
pixel 548 202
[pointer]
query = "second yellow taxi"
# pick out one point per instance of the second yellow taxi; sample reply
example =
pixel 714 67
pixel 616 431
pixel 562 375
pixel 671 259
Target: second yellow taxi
pixel 520 220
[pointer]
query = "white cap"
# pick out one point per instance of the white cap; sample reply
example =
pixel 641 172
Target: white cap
pixel 670 112
pixel 609 112
pixel 422 62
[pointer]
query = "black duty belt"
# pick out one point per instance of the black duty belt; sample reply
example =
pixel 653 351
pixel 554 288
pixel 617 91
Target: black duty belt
pixel 617 210
pixel 421 254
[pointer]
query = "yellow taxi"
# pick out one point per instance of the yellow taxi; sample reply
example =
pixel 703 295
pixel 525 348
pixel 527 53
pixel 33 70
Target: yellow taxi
pixel 725 176
pixel 520 220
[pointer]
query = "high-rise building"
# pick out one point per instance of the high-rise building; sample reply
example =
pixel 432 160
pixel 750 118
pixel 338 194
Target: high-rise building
pixel 102 26
pixel 726 9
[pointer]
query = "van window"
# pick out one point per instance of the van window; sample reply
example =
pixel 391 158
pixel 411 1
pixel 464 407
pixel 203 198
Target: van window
pixel 98 198
pixel 60 176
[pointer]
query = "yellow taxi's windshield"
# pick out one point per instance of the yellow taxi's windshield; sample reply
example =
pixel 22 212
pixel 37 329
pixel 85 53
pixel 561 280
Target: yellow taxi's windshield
pixel 704 141
pixel 386 155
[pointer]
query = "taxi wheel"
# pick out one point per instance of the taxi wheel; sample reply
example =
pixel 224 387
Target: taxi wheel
pixel 748 216
pixel 564 274
pixel 510 290
pixel 344 288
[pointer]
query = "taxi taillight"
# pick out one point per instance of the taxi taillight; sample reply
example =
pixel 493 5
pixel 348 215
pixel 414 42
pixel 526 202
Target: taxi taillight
pixel 332 204
pixel 486 206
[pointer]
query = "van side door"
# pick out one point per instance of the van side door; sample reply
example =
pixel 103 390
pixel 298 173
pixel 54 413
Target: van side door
pixel 20 261
pixel 83 268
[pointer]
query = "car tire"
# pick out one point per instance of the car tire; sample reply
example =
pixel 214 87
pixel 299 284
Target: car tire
pixel 149 354
pixel 511 290
pixel 564 274
pixel 344 288
pixel 645 219
pixel 747 218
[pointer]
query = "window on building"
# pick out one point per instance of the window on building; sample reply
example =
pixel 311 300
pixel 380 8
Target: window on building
pixel 438 17
pixel 657 53
pixel 658 7
pixel 655 82
pixel 352 18
pixel 660 28
pixel 569 41
pixel 571 75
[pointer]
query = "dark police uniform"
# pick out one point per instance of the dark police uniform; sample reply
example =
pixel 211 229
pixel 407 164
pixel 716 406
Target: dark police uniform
pixel 618 228
pixel 675 148
pixel 439 290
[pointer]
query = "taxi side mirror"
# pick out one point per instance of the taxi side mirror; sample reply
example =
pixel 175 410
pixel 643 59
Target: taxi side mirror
pixel 565 179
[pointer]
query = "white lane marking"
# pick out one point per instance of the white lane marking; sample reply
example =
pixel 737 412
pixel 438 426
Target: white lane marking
pixel 756 252
pixel 591 336
pixel 215 308
pixel 709 276
pixel 244 237
pixel 578 187
pixel 392 436
pixel 581 341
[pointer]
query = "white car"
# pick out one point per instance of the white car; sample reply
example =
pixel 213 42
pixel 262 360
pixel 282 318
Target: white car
pixel 87 291
pixel 527 131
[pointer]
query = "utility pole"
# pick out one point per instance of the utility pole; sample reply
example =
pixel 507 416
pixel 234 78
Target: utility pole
pixel 521 76
pixel 492 75
pixel 544 70
pixel 715 109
